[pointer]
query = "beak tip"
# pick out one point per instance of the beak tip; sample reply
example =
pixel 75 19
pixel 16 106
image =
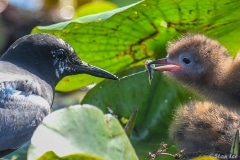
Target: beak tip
pixel 105 74
pixel 113 77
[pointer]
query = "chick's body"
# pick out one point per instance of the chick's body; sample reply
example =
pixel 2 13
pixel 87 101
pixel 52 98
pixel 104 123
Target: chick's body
pixel 206 67
pixel 204 128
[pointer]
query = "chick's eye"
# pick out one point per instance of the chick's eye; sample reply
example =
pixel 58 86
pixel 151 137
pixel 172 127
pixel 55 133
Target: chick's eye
pixel 186 60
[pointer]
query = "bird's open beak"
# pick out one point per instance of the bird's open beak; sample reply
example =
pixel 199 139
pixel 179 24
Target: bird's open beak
pixel 162 65
pixel 84 67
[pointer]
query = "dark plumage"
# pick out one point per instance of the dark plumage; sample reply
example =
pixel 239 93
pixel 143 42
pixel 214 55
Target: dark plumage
pixel 205 66
pixel 30 70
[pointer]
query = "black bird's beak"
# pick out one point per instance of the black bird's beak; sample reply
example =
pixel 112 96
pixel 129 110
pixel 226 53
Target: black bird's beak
pixel 84 67
pixel 162 65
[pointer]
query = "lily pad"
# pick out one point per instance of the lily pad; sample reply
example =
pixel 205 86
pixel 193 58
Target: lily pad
pixel 125 37
pixel 52 155
pixel 81 130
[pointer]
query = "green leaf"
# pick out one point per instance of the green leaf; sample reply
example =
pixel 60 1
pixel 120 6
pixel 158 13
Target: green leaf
pixel 81 130
pixel 131 122
pixel 205 157
pixel 51 155
pixel 125 37
pixel 235 144
pixel 154 102
pixel 94 7
pixel 123 2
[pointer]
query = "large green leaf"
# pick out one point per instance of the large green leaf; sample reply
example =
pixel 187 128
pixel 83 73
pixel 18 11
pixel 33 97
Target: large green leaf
pixel 125 37
pixel 81 130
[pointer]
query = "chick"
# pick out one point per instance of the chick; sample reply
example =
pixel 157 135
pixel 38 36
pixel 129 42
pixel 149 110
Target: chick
pixel 204 128
pixel 205 66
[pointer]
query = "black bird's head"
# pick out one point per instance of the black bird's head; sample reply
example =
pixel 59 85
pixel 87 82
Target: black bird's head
pixel 50 56
pixel 193 59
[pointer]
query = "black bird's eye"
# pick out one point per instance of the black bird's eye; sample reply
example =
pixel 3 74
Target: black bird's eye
pixel 186 60
pixel 60 54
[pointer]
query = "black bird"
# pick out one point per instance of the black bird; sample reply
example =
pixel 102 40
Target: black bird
pixel 30 70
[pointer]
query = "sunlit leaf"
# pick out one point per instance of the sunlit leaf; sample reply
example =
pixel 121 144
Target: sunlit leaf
pixel 51 155
pixel 205 157
pixel 81 130
pixel 125 37
pixel 94 7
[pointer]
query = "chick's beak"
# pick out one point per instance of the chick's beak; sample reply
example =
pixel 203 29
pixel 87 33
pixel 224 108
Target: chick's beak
pixel 162 65
pixel 83 67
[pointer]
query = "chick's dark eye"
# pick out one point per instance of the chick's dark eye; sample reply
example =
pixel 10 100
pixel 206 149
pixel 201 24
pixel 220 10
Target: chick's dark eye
pixel 186 60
